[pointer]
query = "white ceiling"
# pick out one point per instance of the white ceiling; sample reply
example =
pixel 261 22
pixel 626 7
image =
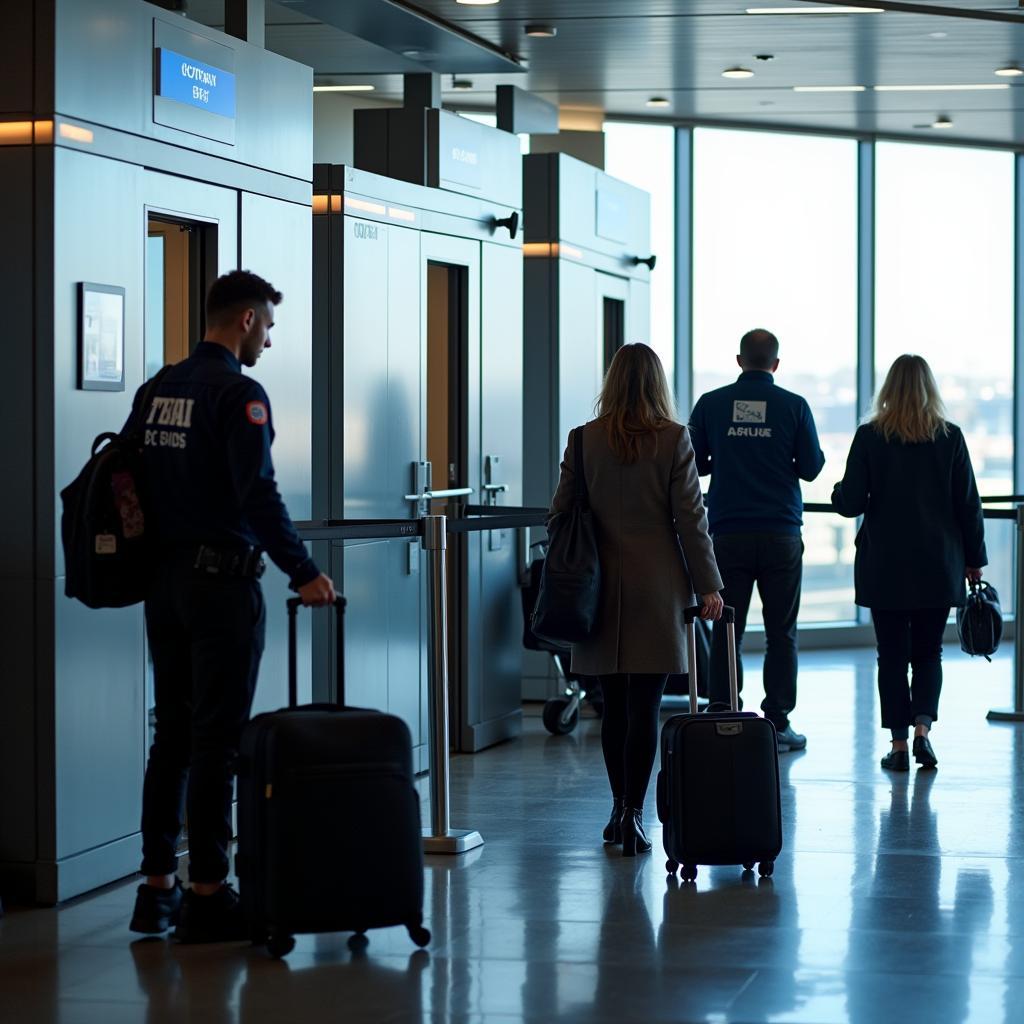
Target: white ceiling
pixel 613 55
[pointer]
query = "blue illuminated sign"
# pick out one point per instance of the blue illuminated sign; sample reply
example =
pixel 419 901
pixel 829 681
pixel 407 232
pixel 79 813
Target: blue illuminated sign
pixel 190 81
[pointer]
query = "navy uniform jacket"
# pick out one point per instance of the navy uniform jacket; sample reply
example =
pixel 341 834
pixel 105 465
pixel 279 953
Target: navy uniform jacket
pixel 922 519
pixel 208 433
pixel 758 441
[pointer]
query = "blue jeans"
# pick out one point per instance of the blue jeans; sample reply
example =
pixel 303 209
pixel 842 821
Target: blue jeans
pixel 774 562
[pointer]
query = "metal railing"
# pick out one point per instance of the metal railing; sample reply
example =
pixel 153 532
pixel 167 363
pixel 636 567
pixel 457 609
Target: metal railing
pixel 433 531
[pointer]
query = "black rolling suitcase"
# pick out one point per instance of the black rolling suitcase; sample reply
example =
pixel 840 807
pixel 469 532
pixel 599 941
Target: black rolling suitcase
pixel 718 788
pixel 329 835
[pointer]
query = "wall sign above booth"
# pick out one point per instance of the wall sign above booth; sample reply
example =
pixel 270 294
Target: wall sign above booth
pixel 199 85
pixel 194 83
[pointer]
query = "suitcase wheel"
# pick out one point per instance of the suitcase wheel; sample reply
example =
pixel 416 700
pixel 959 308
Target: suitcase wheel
pixel 554 719
pixel 748 866
pixel 358 942
pixel 671 867
pixel 280 944
pixel 766 868
pixel 419 935
pixel 689 873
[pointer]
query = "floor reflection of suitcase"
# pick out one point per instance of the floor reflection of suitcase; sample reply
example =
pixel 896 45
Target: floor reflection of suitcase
pixel 329 835
pixel 718 788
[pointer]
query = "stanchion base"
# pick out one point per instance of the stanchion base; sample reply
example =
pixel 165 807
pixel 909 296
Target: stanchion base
pixel 1005 715
pixel 457 841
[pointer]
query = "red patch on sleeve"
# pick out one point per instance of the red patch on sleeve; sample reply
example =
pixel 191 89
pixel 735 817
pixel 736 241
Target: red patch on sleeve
pixel 256 413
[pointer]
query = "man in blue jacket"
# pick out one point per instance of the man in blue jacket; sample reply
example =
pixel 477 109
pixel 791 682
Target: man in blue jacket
pixel 758 442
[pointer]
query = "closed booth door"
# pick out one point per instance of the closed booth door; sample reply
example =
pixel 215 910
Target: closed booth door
pixel 277 245
pixel 501 447
pixel 382 442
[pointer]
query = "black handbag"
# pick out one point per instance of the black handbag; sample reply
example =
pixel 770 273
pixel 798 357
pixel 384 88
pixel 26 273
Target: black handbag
pixel 979 624
pixel 570 582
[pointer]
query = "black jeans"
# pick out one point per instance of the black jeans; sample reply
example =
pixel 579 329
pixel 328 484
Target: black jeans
pixel 206 638
pixel 775 563
pixel 629 732
pixel 909 639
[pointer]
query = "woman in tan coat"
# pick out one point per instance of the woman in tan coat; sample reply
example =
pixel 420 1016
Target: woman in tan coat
pixel 655 552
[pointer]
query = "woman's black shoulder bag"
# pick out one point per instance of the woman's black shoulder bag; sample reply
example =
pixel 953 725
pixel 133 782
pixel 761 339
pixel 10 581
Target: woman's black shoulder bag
pixel 570 582
pixel 980 622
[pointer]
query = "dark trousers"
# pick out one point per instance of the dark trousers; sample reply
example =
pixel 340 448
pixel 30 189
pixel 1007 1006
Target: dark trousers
pixel 909 639
pixel 775 563
pixel 629 732
pixel 206 637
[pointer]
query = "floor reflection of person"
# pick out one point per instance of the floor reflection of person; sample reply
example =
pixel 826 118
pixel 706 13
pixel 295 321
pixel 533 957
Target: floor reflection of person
pixel 900 932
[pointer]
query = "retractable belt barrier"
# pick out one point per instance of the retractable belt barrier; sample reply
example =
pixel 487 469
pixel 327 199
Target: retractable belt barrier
pixel 1015 713
pixel 433 533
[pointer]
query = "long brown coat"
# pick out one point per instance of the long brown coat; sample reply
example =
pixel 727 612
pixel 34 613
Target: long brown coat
pixel 654 549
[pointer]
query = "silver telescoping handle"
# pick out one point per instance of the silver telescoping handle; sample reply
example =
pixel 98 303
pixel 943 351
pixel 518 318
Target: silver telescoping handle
pixel 690 617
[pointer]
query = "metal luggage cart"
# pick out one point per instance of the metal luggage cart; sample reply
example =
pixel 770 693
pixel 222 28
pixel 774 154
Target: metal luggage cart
pixel 562 713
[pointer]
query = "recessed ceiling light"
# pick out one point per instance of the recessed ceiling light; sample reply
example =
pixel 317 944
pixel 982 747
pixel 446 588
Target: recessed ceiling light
pixel 462 83
pixel 410 53
pixel 942 122
pixel 737 73
pixel 938 35
pixel 477 3
pixel 829 88
pixel 659 101
pixel 940 88
pixel 343 88
pixel 541 31
pixel 815 10
pixel 1010 71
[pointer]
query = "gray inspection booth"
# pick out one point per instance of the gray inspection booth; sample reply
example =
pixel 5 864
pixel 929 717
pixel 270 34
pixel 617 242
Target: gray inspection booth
pixel 145 154
pixel 586 293
pixel 418 369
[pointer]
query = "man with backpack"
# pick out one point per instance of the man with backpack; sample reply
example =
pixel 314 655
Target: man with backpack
pixel 212 498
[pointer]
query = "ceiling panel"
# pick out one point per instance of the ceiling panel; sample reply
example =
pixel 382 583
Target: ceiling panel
pixel 612 55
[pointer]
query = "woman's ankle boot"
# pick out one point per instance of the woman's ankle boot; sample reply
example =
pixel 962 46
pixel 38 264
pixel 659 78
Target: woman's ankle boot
pixel 613 830
pixel 634 839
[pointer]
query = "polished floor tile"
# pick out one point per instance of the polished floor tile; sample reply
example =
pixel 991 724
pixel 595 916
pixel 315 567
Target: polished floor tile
pixel 897 898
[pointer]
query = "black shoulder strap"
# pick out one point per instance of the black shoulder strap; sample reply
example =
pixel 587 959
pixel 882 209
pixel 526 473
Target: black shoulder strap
pixel 149 393
pixel 582 496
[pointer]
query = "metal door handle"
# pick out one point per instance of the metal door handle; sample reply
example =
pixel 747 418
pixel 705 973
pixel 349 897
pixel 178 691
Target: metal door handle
pixel 453 492
pixel 495 488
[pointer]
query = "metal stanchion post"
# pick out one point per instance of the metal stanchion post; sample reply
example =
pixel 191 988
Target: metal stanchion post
pixel 440 837
pixel 1016 713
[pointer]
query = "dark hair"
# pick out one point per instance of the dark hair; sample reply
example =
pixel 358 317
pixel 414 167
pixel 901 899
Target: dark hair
pixel 759 349
pixel 236 291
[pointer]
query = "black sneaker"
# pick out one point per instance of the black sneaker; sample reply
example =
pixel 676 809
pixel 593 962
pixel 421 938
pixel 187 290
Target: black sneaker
pixel 156 909
pixel 789 739
pixel 216 918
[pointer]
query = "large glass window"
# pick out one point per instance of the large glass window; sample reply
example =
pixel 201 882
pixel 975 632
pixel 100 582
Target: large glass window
pixel 944 289
pixel 643 155
pixel 775 246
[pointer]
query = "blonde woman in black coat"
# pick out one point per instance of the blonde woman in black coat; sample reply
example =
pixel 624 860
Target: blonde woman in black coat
pixel 909 474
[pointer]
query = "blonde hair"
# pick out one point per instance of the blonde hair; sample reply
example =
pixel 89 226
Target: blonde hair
pixel 909 406
pixel 635 401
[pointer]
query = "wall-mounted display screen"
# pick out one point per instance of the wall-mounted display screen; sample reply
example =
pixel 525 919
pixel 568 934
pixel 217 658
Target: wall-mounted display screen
pixel 100 337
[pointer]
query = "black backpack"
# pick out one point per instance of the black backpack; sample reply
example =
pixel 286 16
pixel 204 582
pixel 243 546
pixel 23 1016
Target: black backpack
pixel 979 623
pixel 108 550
